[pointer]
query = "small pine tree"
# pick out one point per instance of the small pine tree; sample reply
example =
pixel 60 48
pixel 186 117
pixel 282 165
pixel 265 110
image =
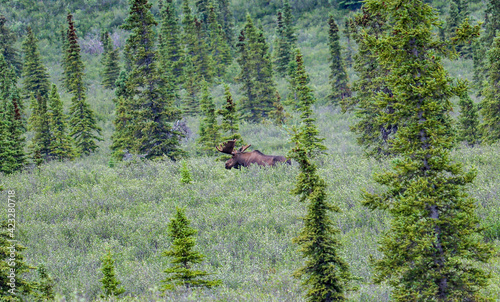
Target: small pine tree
pixel 61 146
pixel 110 285
pixel 226 20
pixel 209 129
pixel 279 115
pixel 171 48
pixel 35 76
pixel 39 123
pixel 230 118
pixel 191 105
pixel 185 173
pixel 83 125
pixel 468 121
pixel 256 75
pixel 7 49
pixel 183 257
pixel 325 274
pixel 111 64
pixel 44 285
pixel 283 48
pixel 338 75
pixel 12 262
pixel 217 43
pixel 490 105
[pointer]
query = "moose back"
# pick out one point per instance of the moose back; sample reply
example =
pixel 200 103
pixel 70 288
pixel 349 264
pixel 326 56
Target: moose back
pixel 242 158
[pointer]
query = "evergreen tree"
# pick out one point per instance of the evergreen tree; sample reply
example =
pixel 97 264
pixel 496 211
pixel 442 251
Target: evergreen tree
pixel 110 285
pixel 122 137
pixel 150 96
pixel 39 123
pixel 217 43
pixel 480 48
pixel 12 140
pixel 458 14
pixel 83 125
pixel 209 129
pixel 172 50
pixel 111 69
pixel 279 115
pixel 490 105
pixel 230 117
pixel 283 48
pixel 226 20
pixel 256 75
pixel 203 10
pixel 61 146
pixel 469 121
pixel 35 76
pixel 288 28
pixel 182 273
pixel 433 247
pixel 191 105
pixel 107 46
pixel 325 274
pixel 185 174
pixel 373 129
pixel 12 263
pixel 338 74
pixel 7 49
pixel 44 285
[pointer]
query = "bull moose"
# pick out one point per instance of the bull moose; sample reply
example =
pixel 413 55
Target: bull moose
pixel 242 158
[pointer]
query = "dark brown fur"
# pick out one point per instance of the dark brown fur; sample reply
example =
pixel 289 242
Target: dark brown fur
pixel 255 157
pixel 242 158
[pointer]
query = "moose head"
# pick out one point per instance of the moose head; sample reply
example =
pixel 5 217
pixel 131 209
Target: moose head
pixel 228 148
pixel 242 158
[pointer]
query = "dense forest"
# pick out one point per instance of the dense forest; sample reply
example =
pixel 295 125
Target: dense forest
pixel 120 122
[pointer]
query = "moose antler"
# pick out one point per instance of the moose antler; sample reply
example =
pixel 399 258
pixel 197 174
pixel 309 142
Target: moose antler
pixel 226 147
pixel 243 148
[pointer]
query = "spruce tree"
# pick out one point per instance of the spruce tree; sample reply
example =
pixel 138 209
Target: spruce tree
pixel 226 20
pixel 39 123
pixel 12 263
pixel 325 275
pixel 278 115
pixel 490 105
pixel 209 129
pixel 256 75
pixel 44 285
pixel 12 139
pixel 7 49
pixel 185 174
pixel 150 96
pixel 35 76
pixel 433 248
pixel 191 104
pixel 110 60
pixel 338 74
pixel 283 48
pixel 122 137
pixel 373 130
pixel 184 257
pixel 468 121
pixel 110 284
pixel 229 113
pixel 172 49
pixel 61 146
pixel 83 125
pixel 217 44
pixel 480 48
pixel 289 30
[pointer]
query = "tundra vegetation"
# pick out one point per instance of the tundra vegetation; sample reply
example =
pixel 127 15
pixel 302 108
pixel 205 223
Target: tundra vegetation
pixel 98 106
